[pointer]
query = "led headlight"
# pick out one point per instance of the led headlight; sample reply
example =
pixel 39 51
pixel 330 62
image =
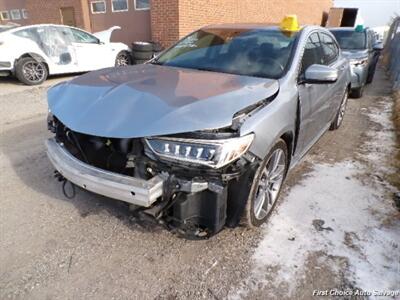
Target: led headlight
pixel 212 153
pixel 359 61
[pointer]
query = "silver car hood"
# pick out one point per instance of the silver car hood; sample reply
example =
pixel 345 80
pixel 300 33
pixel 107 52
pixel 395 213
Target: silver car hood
pixel 355 54
pixel 150 100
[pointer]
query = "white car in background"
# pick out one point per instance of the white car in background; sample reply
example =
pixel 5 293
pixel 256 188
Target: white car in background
pixel 31 53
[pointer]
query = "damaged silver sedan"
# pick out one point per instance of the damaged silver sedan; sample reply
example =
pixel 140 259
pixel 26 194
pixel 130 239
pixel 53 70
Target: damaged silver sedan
pixel 202 136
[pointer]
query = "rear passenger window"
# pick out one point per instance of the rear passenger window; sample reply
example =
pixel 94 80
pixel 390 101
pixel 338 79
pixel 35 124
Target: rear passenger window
pixel 331 50
pixel 312 53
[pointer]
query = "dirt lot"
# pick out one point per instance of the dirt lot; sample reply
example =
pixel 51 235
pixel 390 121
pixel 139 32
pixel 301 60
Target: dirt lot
pixel 336 226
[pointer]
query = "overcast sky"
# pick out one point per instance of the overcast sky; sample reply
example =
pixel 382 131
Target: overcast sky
pixel 374 12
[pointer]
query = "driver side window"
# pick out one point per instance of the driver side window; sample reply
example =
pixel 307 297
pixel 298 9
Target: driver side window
pixel 83 37
pixel 312 53
pixel 331 51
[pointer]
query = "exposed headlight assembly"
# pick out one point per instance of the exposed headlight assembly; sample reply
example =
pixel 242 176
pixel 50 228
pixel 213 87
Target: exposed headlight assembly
pixel 212 153
pixel 359 62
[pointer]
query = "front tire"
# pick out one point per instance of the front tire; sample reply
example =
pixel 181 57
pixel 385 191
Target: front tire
pixel 266 186
pixel 30 71
pixel 341 111
pixel 371 74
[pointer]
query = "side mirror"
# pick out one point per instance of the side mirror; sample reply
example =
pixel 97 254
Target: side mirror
pixel 378 47
pixel 320 74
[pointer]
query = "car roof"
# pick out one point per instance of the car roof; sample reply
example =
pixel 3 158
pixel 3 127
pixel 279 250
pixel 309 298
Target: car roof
pixel 40 25
pixel 243 26
pixel 306 29
pixel 261 26
pixel 345 29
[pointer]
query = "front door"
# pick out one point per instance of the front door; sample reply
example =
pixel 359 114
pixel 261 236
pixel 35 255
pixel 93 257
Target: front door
pixel 68 16
pixel 91 53
pixel 314 99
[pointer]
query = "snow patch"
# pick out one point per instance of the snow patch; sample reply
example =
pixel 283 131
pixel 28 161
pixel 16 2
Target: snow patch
pixel 354 219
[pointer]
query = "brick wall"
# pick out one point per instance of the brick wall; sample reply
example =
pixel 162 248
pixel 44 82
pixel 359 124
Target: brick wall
pixel 164 16
pixel 135 24
pixel 8 5
pixel 42 11
pixel 192 15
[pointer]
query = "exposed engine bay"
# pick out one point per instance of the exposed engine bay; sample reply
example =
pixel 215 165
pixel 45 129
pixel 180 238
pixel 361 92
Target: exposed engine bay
pixel 194 199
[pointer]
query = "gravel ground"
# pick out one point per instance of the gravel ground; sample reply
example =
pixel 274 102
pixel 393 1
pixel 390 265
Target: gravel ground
pixel 88 247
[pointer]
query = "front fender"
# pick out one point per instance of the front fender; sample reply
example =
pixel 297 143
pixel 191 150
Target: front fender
pixel 271 122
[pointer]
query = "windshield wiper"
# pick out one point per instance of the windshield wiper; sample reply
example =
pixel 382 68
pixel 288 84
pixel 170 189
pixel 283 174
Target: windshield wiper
pixel 203 69
pixel 155 61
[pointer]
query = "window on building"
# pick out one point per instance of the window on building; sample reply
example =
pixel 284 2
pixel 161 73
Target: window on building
pixel 119 5
pixel 15 14
pixel 98 7
pixel 24 13
pixel 142 4
pixel 4 15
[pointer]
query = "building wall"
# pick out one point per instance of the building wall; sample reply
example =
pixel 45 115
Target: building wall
pixel 135 24
pixel 165 21
pixel 45 11
pixel 7 5
pixel 195 14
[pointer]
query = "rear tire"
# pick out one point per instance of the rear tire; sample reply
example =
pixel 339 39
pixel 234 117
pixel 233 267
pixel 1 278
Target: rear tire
pixel 266 186
pixel 371 74
pixel 341 111
pixel 123 59
pixel 30 71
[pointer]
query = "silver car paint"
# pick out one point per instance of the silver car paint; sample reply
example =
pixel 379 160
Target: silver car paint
pixel 319 104
pixel 358 73
pixel 115 103
pixel 148 100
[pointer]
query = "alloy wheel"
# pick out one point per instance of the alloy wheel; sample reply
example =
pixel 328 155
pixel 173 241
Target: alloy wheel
pixel 34 71
pixel 342 109
pixel 122 60
pixel 269 184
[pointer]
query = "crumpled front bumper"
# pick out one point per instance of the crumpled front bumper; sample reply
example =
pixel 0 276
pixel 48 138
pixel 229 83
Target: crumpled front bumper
pixel 125 188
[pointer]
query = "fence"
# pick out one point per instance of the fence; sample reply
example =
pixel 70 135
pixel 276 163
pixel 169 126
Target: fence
pixel 391 53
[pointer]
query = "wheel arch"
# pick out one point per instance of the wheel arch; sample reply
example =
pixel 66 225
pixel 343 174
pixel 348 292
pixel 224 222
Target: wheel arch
pixel 36 57
pixel 288 138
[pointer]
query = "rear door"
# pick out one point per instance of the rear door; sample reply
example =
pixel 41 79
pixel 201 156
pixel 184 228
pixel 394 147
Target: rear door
pixel 314 97
pixel 58 48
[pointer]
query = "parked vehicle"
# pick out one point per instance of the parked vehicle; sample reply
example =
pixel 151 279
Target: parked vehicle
pixel 359 46
pixel 204 135
pixel 31 53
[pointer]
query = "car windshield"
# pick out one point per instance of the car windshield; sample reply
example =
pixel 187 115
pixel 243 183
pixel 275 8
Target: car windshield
pixel 350 40
pixel 254 52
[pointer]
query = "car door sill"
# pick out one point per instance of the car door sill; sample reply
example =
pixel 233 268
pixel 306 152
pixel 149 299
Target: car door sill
pixel 297 158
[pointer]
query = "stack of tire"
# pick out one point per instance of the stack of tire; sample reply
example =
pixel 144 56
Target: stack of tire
pixel 144 51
